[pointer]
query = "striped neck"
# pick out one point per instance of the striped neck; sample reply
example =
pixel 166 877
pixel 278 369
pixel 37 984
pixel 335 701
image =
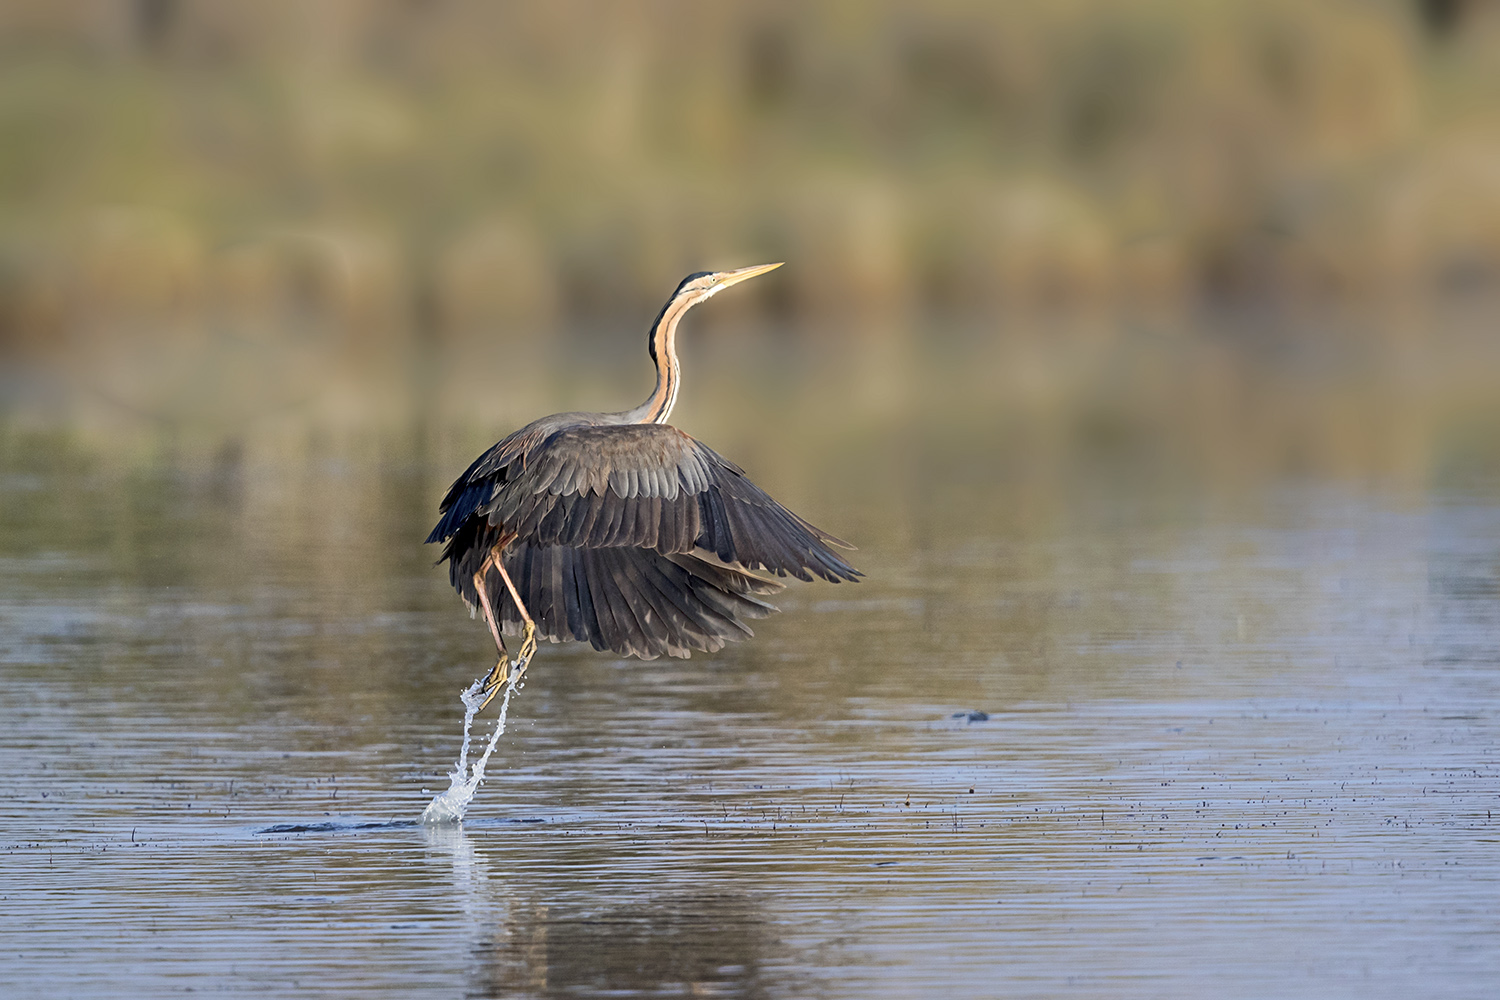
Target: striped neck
pixel 663 346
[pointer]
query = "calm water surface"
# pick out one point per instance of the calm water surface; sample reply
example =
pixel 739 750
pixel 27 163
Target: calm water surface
pixel 1113 744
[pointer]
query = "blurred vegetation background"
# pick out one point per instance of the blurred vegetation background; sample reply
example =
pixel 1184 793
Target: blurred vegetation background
pixel 246 222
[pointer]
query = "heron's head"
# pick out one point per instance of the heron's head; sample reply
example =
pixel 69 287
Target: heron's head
pixel 697 287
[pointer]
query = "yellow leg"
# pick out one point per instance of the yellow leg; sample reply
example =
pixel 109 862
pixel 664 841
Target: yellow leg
pixel 489 612
pixel 528 646
pixel 501 674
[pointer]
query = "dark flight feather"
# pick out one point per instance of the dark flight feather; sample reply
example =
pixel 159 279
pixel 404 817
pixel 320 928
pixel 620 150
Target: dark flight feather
pixel 632 537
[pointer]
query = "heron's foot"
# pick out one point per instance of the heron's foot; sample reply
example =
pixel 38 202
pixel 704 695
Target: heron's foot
pixel 497 677
pixel 494 681
pixel 528 650
pixel 528 647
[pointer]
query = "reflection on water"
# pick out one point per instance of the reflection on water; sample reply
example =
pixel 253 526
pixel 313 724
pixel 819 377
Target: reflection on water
pixel 694 945
pixel 1099 735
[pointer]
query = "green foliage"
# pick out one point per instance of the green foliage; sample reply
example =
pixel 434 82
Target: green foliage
pixel 478 167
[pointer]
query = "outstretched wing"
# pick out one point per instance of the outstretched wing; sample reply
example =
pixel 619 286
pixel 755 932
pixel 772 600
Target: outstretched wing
pixel 647 486
pixel 632 601
pixel 477 485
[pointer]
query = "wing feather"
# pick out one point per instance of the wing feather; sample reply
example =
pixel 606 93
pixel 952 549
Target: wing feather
pixel 583 623
pixel 639 595
pixel 635 602
pixel 613 620
pixel 636 640
pixel 596 493
pixel 690 619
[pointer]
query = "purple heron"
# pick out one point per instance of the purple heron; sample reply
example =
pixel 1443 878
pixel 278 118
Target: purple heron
pixel 619 530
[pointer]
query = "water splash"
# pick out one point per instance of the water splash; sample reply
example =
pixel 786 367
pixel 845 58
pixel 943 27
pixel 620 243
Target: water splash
pixel 448 808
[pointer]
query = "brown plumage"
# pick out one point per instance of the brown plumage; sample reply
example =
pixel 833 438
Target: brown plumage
pixel 619 530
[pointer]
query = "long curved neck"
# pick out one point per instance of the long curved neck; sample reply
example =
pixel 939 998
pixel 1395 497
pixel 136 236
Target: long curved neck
pixel 658 407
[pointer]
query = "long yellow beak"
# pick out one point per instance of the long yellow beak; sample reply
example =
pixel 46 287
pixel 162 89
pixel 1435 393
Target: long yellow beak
pixel 726 278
